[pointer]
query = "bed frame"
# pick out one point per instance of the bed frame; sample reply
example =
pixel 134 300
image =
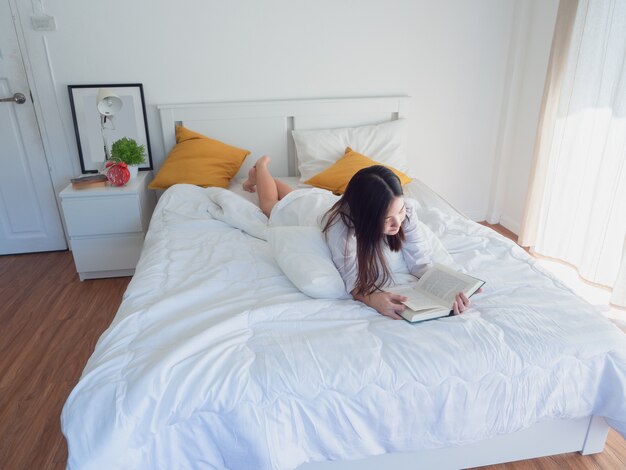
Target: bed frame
pixel 264 127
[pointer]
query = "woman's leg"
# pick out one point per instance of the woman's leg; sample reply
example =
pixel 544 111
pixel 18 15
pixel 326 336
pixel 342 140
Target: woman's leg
pixel 269 190
pixel 265 185
pixel 283 189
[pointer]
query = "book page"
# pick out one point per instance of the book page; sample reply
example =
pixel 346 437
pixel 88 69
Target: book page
pixel 437 288
pixel 443 285
pixel 416 300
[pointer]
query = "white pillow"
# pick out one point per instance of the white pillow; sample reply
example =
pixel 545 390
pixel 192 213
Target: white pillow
pixel 304 257
pixel 302 207
pixel 386 143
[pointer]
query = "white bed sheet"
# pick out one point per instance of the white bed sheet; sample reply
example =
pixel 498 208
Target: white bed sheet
pixel 215 360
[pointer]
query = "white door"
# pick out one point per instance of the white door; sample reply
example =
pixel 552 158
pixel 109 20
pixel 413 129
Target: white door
pixel 29 216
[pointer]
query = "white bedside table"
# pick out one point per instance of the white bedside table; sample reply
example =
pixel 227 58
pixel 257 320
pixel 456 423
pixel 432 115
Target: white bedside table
pixel 107 225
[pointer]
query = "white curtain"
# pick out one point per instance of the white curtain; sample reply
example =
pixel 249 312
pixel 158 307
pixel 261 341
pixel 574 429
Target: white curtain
pixel 577 201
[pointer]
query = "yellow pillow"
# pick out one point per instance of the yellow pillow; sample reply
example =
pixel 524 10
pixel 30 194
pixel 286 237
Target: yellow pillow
pixel 336 177
pixel 196 159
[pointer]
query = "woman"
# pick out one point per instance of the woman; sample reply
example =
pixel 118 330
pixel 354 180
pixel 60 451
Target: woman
pixel 370 220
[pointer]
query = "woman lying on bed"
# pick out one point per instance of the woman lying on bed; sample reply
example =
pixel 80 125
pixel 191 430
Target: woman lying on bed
pixel 371 218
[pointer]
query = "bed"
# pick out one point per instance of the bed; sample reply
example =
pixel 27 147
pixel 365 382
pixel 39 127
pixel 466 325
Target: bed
pixel 216 359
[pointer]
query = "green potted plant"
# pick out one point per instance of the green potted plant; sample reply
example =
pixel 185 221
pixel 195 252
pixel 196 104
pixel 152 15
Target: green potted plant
pixel 130 152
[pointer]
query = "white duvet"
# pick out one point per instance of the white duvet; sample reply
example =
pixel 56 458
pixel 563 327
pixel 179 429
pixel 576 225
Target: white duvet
pixel 216 360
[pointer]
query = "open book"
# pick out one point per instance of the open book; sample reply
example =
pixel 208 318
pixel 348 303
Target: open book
pixel 434 293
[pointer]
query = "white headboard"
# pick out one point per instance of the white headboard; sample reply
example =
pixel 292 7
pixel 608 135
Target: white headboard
pixel 263 127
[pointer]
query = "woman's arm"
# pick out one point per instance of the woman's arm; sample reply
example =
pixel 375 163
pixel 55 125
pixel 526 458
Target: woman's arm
pixel 385 303
pixel 342 245
pixel 416 250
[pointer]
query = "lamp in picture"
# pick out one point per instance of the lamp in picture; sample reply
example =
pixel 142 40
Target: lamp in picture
pixel 108 104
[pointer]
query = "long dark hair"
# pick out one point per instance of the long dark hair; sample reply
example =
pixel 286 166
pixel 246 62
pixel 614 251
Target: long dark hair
pixel 363 208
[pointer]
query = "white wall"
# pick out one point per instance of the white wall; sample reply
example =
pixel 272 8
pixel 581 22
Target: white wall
pixel 451 56
pixel 527 97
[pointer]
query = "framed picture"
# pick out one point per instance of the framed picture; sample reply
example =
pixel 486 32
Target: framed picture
pixel 121 112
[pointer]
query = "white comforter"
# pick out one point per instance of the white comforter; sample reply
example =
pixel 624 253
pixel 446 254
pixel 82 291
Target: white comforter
pixel 215 360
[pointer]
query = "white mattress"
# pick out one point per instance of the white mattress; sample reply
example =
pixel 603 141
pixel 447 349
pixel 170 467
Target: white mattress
pixel 215 360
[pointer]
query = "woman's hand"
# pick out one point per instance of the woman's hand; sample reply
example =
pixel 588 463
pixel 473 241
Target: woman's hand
pixel 385 303
pixel 460 304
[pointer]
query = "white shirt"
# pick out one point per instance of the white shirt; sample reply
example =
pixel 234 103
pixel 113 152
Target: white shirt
pixel 416 253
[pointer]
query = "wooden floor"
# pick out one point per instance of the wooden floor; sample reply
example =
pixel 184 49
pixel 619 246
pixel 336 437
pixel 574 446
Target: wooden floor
pixel 49 325
pixel 50 322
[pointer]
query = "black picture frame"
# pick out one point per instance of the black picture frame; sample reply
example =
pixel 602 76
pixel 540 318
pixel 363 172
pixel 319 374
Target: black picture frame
pixel 129 122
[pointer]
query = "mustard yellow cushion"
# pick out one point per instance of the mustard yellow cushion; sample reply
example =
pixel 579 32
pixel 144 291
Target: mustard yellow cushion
pixel 196 159
pixel 336 177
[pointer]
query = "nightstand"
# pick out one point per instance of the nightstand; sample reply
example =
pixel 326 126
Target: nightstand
pixel 106 226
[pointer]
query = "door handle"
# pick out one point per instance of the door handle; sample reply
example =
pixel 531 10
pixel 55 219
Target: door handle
pixel 18 98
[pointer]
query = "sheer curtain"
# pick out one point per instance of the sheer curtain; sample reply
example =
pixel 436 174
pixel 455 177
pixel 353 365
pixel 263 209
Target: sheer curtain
pixel 576 209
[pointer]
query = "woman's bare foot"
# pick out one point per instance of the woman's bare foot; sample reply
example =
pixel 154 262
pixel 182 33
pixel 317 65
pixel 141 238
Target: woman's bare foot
pixel 250 184
pixel 263 161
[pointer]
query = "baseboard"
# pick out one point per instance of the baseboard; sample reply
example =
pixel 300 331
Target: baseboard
pixel 510 224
